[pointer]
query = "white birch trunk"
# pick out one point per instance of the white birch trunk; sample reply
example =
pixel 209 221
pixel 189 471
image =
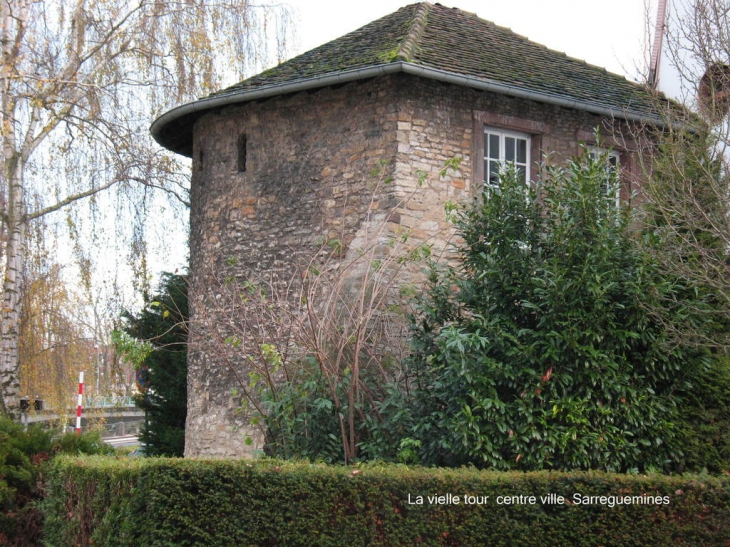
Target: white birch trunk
pixel 10 313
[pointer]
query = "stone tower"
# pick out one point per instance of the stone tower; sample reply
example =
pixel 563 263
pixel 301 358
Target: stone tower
pixel 283 162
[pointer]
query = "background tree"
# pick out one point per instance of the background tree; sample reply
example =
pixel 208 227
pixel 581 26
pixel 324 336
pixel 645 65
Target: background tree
pixel 163 325
pixel 688 215
pixel 79 83
pixel 536 352
pixel 688 189
pixel 687 175
pixel 54 345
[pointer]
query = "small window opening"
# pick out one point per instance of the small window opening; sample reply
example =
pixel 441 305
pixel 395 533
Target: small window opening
pixel 242 153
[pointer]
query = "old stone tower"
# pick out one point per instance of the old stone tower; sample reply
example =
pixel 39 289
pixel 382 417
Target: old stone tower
pixel 282 162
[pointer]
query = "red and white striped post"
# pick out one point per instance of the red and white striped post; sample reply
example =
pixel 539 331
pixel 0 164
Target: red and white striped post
pixel 78 408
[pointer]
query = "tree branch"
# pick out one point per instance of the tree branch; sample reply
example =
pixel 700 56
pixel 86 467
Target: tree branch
pixel 72 198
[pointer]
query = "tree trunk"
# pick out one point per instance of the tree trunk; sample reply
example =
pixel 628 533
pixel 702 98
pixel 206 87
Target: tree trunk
pixel 10 314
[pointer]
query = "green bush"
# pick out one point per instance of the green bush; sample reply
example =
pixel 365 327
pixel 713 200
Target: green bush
pixel 537 351
pixel 703 426
pixel 24 457
pixel 303 420
pixel 161 502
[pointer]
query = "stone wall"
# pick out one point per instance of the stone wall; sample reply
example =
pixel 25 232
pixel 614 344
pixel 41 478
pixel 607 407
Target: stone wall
pixel 309 159
pixel 437 122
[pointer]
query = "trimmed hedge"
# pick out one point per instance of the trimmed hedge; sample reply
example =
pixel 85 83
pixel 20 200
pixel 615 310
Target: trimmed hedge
pixel 176 502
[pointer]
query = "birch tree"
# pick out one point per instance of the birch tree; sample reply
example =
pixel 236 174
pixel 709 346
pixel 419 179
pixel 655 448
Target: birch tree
pixel 81 82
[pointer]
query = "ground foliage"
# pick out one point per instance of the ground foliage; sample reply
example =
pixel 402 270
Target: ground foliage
pixel 24 461
pixel 303 420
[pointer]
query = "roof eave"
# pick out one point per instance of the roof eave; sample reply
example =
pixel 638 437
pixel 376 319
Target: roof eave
pixel 193 109
pixel 514 91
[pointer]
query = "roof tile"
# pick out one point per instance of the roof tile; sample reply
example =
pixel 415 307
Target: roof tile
pixel 458 42
pixel 438 42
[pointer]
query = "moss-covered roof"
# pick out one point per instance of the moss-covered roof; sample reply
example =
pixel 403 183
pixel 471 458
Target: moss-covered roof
pixel 433 41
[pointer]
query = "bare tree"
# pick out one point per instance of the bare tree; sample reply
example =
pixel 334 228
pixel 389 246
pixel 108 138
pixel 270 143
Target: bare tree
pixel 688 177
pixel 81 80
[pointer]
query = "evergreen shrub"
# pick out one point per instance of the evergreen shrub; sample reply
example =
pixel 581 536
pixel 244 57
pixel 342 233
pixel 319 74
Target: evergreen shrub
pixel 537 351
pixel 165 502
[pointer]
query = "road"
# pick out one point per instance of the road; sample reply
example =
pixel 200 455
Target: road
pixel 123 440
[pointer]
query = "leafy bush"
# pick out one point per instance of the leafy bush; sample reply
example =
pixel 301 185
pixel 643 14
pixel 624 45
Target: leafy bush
pixel 303 419
pixel 537 351
pixel 160 502
pixel 703 426
pixel 24 457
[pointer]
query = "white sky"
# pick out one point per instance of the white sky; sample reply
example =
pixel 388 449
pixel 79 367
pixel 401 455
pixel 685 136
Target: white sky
pixel 607 33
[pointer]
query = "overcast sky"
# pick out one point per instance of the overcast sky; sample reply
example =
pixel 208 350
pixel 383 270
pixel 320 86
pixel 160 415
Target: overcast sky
pixel 607 33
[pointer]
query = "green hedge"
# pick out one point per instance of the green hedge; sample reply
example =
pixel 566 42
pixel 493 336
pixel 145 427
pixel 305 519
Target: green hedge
pixel 176 502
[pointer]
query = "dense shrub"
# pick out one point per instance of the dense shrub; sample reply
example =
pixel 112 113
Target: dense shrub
pixel 24 457
pixel 537 351
pixel 304 423
pixel 703 425
pixel 159 502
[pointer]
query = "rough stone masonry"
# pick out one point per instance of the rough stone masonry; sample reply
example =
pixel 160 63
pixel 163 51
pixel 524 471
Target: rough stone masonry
pixel 273 179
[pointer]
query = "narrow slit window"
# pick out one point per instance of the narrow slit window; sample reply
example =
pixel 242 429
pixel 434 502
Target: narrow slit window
pixel 242 153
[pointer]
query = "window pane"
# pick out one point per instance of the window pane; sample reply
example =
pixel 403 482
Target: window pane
pixel 509 149
pixel 522 151
pixel 522 174
pixel 493 146
pixel 493 173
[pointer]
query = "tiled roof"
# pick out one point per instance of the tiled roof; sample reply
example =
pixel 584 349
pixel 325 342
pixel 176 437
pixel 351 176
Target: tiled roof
pixel 376 43
pixel 442 43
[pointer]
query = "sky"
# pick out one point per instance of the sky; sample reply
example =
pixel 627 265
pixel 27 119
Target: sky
pixel 607 33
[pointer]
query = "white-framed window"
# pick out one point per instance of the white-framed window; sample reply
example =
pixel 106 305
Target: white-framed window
pixel 613 165
pixel 502 147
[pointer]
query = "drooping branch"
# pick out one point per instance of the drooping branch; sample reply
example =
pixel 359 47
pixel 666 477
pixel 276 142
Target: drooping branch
pixel 80 83
pixel 72 198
